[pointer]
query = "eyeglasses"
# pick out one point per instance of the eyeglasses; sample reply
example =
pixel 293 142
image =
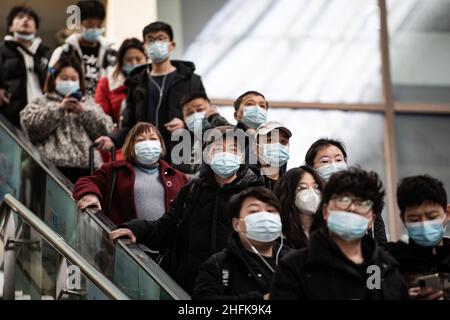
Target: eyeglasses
pixel 158 39
pixel 361 206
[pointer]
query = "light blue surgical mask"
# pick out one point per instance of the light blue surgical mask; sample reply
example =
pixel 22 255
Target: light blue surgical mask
pixel 128 68
pixel 254 116
pixel 326 171
pixel 147 152
pixel 225 164
pixel 158 51
pixel 263 226
pixel 347 225
pixel 427 233
pixel 195 121
pixel 275 154
pixel 64 87
pixel 24 36
pixel 92 34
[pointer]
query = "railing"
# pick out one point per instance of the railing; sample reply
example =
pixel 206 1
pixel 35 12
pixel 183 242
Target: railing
pixel 17 243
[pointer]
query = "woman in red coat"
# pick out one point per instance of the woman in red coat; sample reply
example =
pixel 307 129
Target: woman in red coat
pixel 111 91
pixel 144 185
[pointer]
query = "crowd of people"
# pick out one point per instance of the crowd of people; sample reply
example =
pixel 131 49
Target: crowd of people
pixel 213 201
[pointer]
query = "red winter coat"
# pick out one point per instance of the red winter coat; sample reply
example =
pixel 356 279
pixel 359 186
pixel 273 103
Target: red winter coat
pixel 122 207
pixel 110 94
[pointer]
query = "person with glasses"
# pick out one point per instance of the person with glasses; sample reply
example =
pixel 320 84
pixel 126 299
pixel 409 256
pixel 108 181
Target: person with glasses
pixel 155 91
pixel 328 156
pixel 342 262
pixel 425 212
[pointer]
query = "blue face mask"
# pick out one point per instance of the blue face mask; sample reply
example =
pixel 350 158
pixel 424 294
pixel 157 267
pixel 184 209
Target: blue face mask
pixel 64 87
pixel 254 116
pixel 158 51
pixel 275 154
pixel 347 225
pixel 326 171
pixel 128 68
pixel 263 226
pixel 195 121
pixel 92 34
pixel 427 233
pixel 23 36
pixel 225 164
pixel 147 152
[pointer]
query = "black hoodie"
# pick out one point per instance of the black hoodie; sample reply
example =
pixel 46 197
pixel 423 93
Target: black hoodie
pixel 197 226
pixel 185 81
pixel 235 274
pixel 323 272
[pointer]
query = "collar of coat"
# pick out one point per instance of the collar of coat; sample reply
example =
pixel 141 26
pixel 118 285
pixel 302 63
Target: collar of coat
pixel 164 167
pixel 31 50
pixel 323 251
pixel 245 176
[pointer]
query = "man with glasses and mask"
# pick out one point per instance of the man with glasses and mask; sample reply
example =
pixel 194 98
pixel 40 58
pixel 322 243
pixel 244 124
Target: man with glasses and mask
pixel 342 262
pixel 156 90
pixel 425 212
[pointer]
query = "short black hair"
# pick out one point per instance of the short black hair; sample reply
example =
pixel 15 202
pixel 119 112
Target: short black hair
pixel 158 26
pixel 262 194
pixel 319 144
pixel 360 183
pixel 192 96
pixel 21 9
pixel 238 101
pixel 417 190
pixel 91 9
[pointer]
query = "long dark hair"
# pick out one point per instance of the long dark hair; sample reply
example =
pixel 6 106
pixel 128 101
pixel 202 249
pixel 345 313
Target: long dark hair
pixel 286 190
pixel 131 43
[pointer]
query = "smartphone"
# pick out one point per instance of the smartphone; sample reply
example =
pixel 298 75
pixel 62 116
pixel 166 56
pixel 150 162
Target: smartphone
pixel 78 95
pixel 430 281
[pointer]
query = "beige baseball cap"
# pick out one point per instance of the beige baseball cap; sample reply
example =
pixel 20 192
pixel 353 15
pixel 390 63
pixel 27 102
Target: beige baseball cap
pixel 269 126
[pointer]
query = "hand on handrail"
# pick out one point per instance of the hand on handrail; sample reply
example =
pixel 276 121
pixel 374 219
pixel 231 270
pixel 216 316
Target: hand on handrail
pixel 122 233
pixel 89 200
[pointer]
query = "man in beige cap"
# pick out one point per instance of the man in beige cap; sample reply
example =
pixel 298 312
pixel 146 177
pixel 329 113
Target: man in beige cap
pixel 271 149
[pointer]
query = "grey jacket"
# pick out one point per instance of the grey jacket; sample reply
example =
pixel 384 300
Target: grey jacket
pixel 62 136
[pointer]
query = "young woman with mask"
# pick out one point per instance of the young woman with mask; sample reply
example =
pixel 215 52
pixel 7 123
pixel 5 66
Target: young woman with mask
pixel 62 123
pixel 111 90
pixel 299 191
pixel 342 262
pixel 328 156
pixel 244 269
pixel 140 186
pixel 198 224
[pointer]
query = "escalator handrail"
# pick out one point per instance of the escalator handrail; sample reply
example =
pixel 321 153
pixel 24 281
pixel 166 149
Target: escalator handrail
pixel 96 277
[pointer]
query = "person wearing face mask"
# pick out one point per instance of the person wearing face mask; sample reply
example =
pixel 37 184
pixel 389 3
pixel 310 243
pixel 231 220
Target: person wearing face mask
pixel 250 110
pixel 299 191
pixel 62 123
pixel 198 224
pixel 328 156
pixel 338 262
pixel 155 90
pixel 199 115
pixel 425 212
pixel 23 63
pixel 244 269
pixel 272 152
pixel 123 189
pixel 90 46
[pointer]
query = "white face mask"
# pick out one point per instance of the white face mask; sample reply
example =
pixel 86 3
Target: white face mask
pixel 308 201
pixel 147 152
pixel 263 226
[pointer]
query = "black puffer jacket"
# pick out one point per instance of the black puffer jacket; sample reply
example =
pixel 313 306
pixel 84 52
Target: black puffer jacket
pixel 235 274
pixel 415 259
pixel 323 272
pixel 185 81
pixel 13 75
pixel 195 228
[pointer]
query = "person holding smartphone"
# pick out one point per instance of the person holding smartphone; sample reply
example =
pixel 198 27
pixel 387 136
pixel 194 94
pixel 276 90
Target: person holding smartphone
pixel 63 123
pixel 424 211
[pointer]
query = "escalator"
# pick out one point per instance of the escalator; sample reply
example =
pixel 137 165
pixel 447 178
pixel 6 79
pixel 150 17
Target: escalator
pixel 29 182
